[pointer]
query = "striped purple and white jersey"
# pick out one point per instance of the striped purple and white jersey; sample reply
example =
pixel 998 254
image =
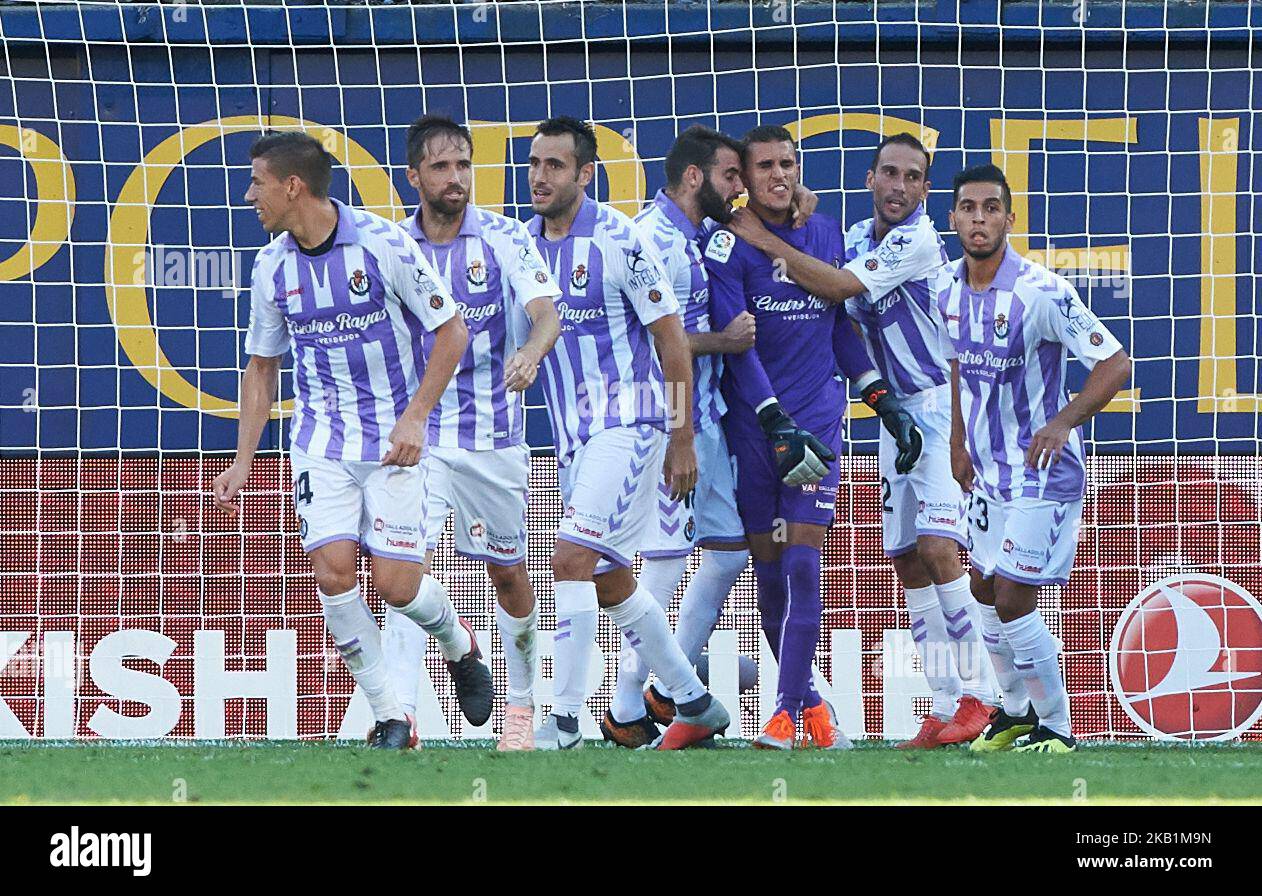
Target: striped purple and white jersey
pixel 493 271
pixel 604 371
pixel 1012 344
pixel 666 230
pixel 353 318
pixel 897 314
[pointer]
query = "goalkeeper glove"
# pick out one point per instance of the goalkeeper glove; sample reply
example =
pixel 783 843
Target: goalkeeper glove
pixel 800 457
pixel 879 396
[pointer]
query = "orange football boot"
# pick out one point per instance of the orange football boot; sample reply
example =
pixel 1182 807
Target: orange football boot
pixel 778 734
pixel 927 737
pixel 970 719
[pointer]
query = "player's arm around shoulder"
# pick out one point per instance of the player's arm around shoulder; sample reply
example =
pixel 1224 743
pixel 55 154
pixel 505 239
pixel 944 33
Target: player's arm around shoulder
pixel 908 252
pixel 816 275
pixel 1062 317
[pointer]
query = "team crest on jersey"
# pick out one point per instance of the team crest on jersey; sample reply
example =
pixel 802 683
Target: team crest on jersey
pixel 541 277
pixel 871 264
pixel 476 273
pixel 578 279
pixel 720 247
pixel 1097 340
pixel 1001 326
pixel 359 283
pixel 1008 546
pixel 435 301
pixel 477 530
pixel 654 296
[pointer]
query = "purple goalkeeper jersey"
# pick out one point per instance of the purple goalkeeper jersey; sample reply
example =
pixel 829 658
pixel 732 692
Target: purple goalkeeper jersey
pixel 604 371
pixel 677 241
pixel 897 314
pixel 1012 342
pixel 493 271
pixel 794 359
pixel 354 318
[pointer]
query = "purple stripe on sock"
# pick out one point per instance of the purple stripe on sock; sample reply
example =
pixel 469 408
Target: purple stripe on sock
pixel 560 636
pixel 563 623
pixel 989 640
pixel 956 617
pixel 960 632
pixel 919 638
pixel 1024 667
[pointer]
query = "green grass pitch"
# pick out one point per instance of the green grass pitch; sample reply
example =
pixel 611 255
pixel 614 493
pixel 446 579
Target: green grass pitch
pixel 451 772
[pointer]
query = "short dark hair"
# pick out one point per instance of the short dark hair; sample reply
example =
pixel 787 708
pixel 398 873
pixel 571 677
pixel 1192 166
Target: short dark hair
pixel 583 133
pixel 425 128
pixel 290 153
pixel 904 139
pixel 982 174
pixel 698 146
pixel 765 133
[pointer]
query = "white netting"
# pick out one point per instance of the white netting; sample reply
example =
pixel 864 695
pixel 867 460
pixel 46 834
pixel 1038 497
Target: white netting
pixel 1127 131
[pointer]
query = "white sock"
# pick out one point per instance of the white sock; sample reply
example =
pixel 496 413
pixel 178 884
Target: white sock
pixel 703 601
pixel 964 628
pixel 358 639
pixel 661 578
pixel 646 629
pixel 403 644
pixel 572 644
pixel 517 634
pixel 433 611
pixel 1036 656
pixel 1016 699
pixel 928 631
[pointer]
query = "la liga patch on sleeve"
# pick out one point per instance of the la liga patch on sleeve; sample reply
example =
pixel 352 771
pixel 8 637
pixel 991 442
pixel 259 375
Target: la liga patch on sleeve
pixel 720 247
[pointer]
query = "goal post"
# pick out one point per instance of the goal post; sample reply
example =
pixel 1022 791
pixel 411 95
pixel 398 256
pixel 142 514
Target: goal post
pixel 130 608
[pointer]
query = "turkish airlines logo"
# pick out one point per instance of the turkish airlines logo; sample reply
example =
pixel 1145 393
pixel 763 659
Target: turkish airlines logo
pixel 1186 659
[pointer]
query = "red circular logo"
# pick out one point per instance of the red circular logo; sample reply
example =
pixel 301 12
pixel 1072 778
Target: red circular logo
pixel 1186 658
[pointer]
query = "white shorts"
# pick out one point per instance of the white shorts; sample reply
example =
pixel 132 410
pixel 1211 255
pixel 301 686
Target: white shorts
pixel 487 492
pixel 382 508
pixel 609 492
pixel 1027 540
pixel 928 500
pixel 710 517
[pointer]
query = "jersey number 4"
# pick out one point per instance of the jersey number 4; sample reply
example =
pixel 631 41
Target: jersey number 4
pixel 302 488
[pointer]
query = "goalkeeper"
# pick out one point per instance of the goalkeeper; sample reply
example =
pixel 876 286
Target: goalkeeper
pixel 783 425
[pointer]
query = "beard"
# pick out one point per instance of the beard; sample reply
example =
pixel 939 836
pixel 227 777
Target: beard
pixel 986 251
pixel 713 205
pixel 447 207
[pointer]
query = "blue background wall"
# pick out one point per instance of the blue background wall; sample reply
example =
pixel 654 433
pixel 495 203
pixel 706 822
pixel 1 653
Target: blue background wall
pixel 108 103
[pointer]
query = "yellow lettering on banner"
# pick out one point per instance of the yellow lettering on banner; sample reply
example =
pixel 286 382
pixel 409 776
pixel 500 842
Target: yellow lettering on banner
pixel 54 200
pixel 1010 140
pixel 126 294
pixel 490 160
pixel 1216 382
pixel 624 172
pixel 882 125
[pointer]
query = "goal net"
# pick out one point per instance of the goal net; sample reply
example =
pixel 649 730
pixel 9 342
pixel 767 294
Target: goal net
pixel 129 607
